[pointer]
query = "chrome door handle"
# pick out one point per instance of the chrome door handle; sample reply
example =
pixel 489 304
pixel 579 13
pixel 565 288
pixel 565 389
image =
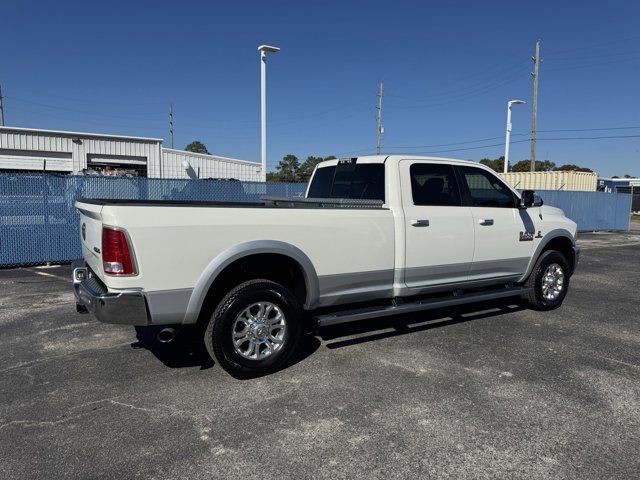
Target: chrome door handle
pixel 486 221
pixel 420 223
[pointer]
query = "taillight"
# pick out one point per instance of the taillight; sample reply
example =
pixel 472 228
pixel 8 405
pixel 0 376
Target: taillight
pixel 116 252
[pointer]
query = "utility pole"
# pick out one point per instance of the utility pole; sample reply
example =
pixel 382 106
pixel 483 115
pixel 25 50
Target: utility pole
pixel 1 110
pixel 380 127
pixel 171 123
pixel 534 114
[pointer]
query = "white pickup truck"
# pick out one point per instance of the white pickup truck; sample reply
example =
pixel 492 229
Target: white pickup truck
pixel 374 236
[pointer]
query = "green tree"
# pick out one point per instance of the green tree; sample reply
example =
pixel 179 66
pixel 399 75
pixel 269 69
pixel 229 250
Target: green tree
pixel 197 147
pixel 626 175
pixel 496 165
pixel 307 167
pixel 573 168
pixel 288 170
pixel 541 166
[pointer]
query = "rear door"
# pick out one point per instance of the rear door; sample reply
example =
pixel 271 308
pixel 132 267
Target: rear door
pixel 439 230
pixel 503 232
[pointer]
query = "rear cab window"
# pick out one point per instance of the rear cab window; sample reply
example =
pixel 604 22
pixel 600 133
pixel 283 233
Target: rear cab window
pixel 434 184
pixel 349 179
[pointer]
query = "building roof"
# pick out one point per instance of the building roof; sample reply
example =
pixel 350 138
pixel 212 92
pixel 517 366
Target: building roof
pixel 78 134
pixel 208 156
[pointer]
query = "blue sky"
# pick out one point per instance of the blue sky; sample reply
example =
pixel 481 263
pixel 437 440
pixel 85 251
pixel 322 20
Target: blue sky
pixel 449 69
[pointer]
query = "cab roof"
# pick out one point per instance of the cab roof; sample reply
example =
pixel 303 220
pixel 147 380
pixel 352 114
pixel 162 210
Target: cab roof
pixel 394 158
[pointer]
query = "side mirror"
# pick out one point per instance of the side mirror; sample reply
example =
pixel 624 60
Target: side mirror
pixel 537 201
pixel 526 199
pixel 530 199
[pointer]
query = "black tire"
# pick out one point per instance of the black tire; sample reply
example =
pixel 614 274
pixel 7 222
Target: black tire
pixel 218 335
pixel 535 298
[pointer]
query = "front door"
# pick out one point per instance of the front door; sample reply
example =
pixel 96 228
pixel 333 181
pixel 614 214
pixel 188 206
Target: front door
pixel 439 231
pixel 503 232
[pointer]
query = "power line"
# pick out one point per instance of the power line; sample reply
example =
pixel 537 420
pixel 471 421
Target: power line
pixel 514 134
pixel 589 129
pixel 83 100
pixel 593 46
pixel 591 138
pixel 464 90
pixel 466 96
pixel 501 144
pixel 590 57
pixel 283 121
pixel 472 148
pixel 85 112
pixel 526 140
pixel 450 144
pixel 597 64
pixel 466 142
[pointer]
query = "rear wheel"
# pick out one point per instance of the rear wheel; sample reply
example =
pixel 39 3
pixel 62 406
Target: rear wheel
pixel 255 328
pixel 549 281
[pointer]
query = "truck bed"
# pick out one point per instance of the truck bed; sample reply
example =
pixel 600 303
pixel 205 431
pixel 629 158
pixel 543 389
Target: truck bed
pixel 267 202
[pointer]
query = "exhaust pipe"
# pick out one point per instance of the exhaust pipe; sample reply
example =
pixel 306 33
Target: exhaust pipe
pixel 166 335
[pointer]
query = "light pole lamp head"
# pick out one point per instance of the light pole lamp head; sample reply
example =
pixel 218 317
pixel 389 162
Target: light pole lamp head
pixel 268 49
pixel 515 102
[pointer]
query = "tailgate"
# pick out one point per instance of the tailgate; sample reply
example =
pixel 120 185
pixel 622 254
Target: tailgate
pixel 91 235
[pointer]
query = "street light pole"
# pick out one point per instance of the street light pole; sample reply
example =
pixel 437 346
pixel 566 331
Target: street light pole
pixel 263 103
pixel 508 135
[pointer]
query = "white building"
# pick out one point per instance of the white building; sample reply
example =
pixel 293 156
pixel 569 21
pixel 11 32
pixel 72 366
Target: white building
pixel 28 149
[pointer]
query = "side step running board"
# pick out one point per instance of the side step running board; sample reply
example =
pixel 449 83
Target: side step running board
pixel 430 304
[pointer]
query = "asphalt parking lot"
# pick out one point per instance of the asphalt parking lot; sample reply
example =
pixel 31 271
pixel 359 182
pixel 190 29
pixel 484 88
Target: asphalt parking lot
pixel 488 391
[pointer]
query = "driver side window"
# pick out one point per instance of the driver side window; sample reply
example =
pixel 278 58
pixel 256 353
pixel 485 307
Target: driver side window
pixel 486 189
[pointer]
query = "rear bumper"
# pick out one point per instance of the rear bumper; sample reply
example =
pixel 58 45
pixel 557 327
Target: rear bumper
pixel 124 308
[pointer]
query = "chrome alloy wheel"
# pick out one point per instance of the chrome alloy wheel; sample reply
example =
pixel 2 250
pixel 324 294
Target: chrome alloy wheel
pixel 258 331
pixel 552 282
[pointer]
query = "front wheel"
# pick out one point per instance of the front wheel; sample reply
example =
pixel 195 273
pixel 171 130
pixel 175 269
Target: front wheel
pixel 549 281
pixel 255 328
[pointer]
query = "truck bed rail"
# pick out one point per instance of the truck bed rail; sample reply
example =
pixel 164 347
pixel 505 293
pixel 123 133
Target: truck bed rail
pixel 293 202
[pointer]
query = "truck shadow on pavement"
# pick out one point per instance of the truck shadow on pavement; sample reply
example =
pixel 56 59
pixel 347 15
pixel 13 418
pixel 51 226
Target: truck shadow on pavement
pixel 386 327
pixel 187 349
pixel 183 352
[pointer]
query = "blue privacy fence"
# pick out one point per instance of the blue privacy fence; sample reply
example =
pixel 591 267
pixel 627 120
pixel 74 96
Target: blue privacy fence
pixel 39 223
pixel 592 210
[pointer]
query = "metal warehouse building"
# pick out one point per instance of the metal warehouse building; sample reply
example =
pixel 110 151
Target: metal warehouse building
pixel 555 180
pixel 25 149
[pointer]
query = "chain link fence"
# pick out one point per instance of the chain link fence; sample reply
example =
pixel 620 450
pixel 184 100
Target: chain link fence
pixel 40 224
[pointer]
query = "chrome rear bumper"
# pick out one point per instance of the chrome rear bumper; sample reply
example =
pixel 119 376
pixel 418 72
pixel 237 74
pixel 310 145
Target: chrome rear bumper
pixel 125 308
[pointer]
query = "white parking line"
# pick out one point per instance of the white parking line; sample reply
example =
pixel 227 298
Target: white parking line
pixel 46 274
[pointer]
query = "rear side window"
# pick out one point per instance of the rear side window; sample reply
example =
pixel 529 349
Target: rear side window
pixel 434 184
pixel 486 190
pixel 349 180
pixel 321 183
